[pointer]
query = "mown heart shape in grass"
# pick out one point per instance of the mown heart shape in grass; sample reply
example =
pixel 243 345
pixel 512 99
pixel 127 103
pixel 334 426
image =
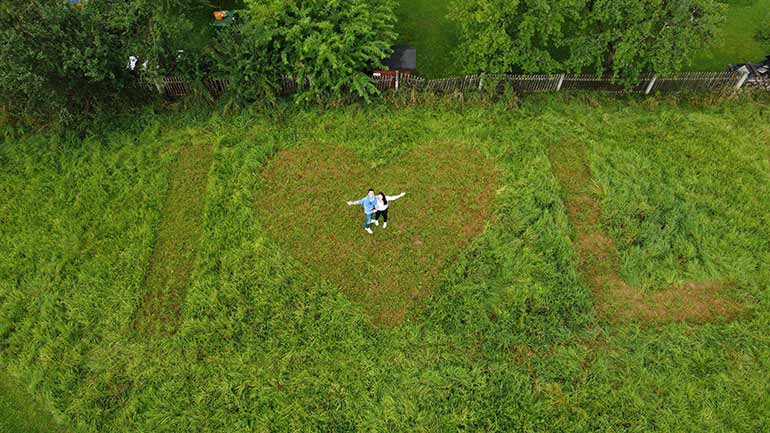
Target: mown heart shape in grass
pixel 450 190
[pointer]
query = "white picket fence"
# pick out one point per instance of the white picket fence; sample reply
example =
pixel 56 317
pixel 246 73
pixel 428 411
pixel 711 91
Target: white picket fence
pixel 523 84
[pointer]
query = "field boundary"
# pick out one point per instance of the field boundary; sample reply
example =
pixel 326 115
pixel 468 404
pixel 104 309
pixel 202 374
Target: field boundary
pixel 175 86
pixel 616 300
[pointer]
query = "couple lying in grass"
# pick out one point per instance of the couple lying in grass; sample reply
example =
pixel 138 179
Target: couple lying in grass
pixel 376 206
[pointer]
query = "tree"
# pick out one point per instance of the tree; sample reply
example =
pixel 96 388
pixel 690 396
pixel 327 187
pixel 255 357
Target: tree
pixel 621 38
pixel 330 43
pixel 63 61
pixel 625 38
pixel 503 36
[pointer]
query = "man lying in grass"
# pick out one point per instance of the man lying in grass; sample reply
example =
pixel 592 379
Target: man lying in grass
pixel 370 204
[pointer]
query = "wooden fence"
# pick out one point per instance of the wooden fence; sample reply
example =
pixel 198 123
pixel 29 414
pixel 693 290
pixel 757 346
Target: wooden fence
pixel 523 84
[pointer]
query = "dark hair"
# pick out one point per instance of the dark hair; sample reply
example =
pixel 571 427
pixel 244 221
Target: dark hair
pixel 384 197
pixel 370 190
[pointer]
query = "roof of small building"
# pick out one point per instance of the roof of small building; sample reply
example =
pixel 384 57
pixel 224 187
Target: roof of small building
pixel 403 57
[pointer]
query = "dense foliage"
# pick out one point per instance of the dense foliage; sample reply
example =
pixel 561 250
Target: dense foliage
pixel 64 60
pixel 626 38
pixel 609 37
pixel 61 59
pixel 328 46
pixel 508 340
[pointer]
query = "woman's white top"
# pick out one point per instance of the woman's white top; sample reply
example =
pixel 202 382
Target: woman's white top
pixel 382 206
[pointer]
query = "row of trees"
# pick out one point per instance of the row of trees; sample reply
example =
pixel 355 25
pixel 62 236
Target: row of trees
pixel 620 38
pixel 61 60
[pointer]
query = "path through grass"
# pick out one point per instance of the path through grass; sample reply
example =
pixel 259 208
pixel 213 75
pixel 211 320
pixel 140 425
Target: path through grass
pixel 616 300
pixel 180 229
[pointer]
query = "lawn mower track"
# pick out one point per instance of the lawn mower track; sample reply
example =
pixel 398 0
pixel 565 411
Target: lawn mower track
pixel 450 191
pixel 180 228
pixel 615 300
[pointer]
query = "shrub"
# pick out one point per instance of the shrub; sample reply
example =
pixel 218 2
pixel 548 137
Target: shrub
pixel 331 44
pixel 62 61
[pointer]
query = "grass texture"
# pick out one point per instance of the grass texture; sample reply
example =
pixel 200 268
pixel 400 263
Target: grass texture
pixel 736 42
pixel 506 340
pixel 20 413
pixel 424 25
pixel 179 232
pixel 615 299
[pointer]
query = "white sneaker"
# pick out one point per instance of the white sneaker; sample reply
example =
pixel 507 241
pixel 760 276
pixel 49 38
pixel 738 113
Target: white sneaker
pixel 384 225
pixel 368 230
pixel 375 222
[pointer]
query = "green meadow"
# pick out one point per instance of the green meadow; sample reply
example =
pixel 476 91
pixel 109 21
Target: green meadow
pixel 736 41
pixel 201 272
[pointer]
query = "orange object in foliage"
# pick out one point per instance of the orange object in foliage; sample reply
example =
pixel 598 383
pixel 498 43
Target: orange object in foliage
pixel 220 15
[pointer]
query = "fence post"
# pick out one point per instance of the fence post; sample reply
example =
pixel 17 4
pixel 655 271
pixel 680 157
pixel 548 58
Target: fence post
pixel 742 80
pixel 649 86
pixel 481 82
pixel 561 81
pixel 397 79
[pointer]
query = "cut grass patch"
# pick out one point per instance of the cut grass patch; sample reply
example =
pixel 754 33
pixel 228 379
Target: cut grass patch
pixel 180 229
pixel 20 413
pixel 615 299
pixel 449 188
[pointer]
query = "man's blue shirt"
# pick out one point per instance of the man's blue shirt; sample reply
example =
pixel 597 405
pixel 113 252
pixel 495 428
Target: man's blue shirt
pixel 368 204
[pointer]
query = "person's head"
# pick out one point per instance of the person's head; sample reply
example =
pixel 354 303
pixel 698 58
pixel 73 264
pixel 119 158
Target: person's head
pixel 371 193
pixel 382 197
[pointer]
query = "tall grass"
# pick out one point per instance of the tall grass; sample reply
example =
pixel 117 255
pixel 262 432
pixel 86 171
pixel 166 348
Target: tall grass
pixel 507 341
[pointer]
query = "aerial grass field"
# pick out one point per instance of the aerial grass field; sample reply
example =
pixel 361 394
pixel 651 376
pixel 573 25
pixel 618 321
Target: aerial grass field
pixel 201 272
pixel 736 42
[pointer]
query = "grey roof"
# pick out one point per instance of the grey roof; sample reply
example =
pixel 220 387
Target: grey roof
pixel 403 57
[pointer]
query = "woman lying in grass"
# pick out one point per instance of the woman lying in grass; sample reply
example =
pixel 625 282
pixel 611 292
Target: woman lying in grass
pixel 382 207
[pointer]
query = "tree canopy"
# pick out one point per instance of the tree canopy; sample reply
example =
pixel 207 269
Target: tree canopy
pixel 331 44
pixel 621 38
pixel 61 60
